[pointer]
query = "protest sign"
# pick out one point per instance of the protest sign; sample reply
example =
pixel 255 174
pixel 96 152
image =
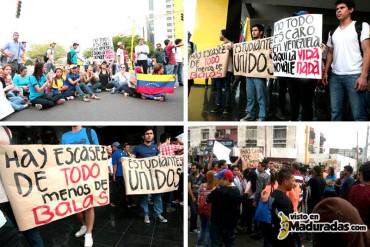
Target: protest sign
pixel 221 152
pixel 157 174
pixel 6 108
pixel 254 58
pixel 45 183
pixel 155 84
pixel 211 63
pixel 251 154
pixel 103 49
pixel 296 47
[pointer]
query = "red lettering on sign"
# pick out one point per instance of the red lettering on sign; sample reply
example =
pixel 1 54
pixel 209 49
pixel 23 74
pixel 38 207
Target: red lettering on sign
pixel 308 68
pixel 103 195
pixel 39 212
pixel 308 54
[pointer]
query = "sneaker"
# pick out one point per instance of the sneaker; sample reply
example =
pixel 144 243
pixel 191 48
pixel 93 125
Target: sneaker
pixel 196 231
pixel 216 109
pixel 113 90
pixel 247 118
pixel 162 219
pixel 88 240
pixel 38 106
pixel 70 98
pixel 146 219
pixel 81 232
pixel 25 106
pixel 95 97
pixel 98 90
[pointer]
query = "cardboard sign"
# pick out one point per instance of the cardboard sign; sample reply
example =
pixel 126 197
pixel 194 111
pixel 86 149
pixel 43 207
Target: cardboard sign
pixel 221 152
pixel 6 108
pixel 252 154
pixel 253 59
pixel 45 183
pixel 296 47
pixel 211 63
pixel 152 175
pixel 103 49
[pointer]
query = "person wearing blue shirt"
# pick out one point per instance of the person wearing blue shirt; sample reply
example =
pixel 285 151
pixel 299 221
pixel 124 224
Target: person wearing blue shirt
pixel 118 180
pixel 79 135
pixel 73 82
pixel 14 51
pixel 22 80
pixel 145 150
pixel 330 181
pixel 38 85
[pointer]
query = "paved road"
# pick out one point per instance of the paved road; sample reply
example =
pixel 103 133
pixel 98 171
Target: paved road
pixel 110 108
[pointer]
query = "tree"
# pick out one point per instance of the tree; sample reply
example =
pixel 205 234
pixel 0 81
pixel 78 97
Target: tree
pixel 39 50
pixel 126 40
pixel 87 53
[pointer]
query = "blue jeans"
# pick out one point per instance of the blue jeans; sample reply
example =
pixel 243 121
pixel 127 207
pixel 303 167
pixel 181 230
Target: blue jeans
pixel 158 207
pixel 170 69
pixel 204 238
pixel 341 85
pixel 256 91
pixel 34 238
pixel 179 72
pixel 121 87
pixel 83 89
pixel 17 102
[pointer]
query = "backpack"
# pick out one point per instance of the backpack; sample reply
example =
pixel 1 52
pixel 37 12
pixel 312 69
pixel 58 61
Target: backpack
pixel 69 58
pixel 263 210
pixel 204 208
pixel 358 27
pixel 88 133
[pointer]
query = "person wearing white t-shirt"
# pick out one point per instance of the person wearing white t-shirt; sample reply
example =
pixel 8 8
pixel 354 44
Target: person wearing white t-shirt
pixel 349 68
pixel 179 61
pixel 142 52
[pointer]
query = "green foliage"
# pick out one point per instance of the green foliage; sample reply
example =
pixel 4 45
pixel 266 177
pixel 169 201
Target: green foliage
pixel 38 51
pixel 87 53
pixel 126 40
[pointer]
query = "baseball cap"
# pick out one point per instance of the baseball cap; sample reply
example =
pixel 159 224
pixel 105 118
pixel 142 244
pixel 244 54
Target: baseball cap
pixel 75 44
pixel 116 144
pixel 228 175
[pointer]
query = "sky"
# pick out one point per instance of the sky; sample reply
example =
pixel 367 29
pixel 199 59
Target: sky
pixel 342 135
pixel 68 21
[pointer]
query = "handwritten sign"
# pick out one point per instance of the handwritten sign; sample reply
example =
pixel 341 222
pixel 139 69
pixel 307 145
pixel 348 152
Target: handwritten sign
pixel 103 49
pixel 296 47
pixel 6 108
pixel 251 156
pixel 211 63
pixel 45 183
pixel 152 175
pixel 254 58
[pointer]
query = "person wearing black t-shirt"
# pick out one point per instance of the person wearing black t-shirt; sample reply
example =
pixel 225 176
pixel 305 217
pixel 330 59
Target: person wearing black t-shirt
pixel 317 187
pixel 281 203
pixel 225 210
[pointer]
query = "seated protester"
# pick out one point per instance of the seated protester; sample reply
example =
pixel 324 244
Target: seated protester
pixel 132 82
pixel 158 70
pixel 92 80
pixel 14 95
pixel 38 86
pixel 104 75
pixel 86 89
pixel 121 81
pixel 58 86
pixel 21 80
pixel 72 81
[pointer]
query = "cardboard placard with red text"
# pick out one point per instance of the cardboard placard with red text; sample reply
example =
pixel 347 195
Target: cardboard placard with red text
pixel 45 183
pixel 211 63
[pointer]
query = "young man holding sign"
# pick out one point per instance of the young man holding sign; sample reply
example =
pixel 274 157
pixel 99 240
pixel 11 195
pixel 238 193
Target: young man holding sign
pixel 256 87
pixel 349 58
pixel 145 150
pixel 80 135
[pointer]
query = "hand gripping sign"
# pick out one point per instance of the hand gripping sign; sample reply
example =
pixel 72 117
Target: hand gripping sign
pixel 45 183
pixel 152 175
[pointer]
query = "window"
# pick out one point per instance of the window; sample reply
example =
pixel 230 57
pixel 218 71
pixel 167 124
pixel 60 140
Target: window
pixel 279 136
pixel 220 133
pixel 251 136
pixel 205 134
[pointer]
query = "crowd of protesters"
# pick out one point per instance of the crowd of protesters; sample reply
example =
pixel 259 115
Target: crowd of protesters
pixel 342 94
pixel 80 135
pixel 227 201
pixel 50 84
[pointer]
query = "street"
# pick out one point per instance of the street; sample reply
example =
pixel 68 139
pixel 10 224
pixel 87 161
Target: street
pixel 109 108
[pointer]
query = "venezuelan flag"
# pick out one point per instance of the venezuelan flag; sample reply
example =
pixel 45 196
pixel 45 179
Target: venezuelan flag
pixel 155 84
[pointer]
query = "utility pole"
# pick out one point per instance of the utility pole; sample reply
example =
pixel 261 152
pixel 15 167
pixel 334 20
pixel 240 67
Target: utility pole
pixel 306 146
